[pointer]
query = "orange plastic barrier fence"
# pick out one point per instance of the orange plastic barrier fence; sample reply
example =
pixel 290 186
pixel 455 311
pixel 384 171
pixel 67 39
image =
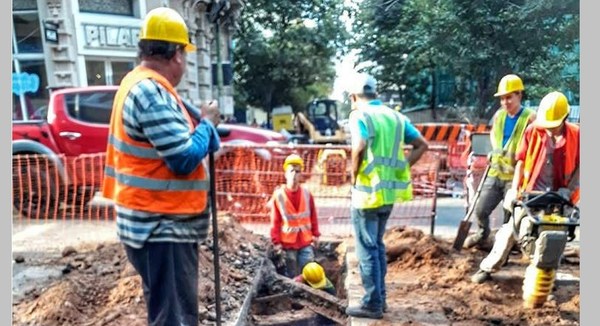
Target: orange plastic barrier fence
pixel 57 187
pixel 51 188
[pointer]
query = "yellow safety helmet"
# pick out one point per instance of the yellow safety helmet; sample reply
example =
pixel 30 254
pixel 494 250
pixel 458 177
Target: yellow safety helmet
pixel 553 109
pixel 293 159
pixel 314 275
pixel 508 84
pixel 166 24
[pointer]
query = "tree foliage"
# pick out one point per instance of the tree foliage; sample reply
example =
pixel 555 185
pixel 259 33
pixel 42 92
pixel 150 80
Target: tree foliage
pixel 470 45
pixel 284 51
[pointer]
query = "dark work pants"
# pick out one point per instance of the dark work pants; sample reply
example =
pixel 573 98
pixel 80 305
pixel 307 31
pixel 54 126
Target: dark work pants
pixel 169 274
pixel 492 193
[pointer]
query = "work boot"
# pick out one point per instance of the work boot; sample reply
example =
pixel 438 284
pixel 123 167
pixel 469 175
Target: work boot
pixel 481 276
pixel 473 240
pixel 479 242
pixel 364 312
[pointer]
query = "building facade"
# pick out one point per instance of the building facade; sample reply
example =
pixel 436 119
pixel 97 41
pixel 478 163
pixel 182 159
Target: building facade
pixel 73 43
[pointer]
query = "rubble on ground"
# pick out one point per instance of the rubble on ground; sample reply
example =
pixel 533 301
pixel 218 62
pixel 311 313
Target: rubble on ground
pixel 427 280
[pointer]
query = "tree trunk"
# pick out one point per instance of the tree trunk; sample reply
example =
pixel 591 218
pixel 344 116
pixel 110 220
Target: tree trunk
pixel 433 92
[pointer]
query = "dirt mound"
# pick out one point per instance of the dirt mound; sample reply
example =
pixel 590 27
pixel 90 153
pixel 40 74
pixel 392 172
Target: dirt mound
pixel 431 282
pixel 411 248
pixel 100 287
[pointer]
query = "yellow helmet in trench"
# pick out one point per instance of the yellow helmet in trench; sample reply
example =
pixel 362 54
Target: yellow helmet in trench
pixel 166 24
pixel 314 275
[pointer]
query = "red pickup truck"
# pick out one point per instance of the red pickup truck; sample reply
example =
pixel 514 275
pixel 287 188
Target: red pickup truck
pixel 76 124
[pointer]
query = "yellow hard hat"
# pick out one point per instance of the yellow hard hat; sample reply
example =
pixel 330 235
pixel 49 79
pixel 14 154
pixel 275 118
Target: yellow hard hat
pixel 293 159
pixel 314 275
pixel 508 84
pixel 166 24
pixel 553 109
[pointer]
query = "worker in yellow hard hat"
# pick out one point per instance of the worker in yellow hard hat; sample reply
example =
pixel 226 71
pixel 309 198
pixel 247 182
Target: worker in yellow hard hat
pixel 508 126
pixel 547 158
pixel 313 274
pixel 154 172
pixel 294 224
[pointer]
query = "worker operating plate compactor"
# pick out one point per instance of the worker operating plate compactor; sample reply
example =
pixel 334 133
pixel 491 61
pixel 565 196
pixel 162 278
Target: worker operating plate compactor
pixel 549 222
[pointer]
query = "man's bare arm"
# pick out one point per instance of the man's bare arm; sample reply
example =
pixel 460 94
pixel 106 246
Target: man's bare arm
pixel 419 147
pixel 357 153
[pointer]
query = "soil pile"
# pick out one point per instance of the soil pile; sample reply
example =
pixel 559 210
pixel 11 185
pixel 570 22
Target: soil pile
pixel 429 282
pixel 100 287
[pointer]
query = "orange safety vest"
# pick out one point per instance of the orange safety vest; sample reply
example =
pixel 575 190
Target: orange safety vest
pixel 135 175
pixel 295 222
pixel 536 154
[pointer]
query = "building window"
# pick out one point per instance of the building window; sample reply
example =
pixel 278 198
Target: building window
pixel 100 72
pixel 27 32
pixel 29 80
pixel 113 7
pixel 24 5
pixel 29 88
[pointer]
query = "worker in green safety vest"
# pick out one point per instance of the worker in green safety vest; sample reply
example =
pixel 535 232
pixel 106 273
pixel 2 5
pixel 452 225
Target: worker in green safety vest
pixel 509 124
pixel 380 178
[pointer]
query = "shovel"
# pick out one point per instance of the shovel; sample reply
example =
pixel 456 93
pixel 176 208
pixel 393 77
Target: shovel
pixel 465 224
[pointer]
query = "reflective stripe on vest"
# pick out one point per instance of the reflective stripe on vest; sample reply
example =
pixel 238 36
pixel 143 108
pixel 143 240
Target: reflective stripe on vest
pixel 384 174
pixel 294 222
pixel 141 152
pixel 503 157
pixel 536 155
pixel 156 184
pixel 136 177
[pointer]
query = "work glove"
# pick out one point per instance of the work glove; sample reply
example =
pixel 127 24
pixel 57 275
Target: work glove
pixel 509 198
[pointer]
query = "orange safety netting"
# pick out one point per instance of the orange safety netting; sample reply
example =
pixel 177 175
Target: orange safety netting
pixel 56 187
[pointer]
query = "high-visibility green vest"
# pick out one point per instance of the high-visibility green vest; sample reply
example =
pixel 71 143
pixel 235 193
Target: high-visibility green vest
pixel 384 174
pixel 503 158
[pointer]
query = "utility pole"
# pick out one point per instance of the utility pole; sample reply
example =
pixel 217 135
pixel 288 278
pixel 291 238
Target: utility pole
pixel 215 14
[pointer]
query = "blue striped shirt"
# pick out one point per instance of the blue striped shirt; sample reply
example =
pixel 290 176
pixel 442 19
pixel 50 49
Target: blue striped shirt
pixel 151 114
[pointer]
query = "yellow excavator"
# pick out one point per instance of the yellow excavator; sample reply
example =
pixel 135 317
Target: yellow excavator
pixel 319 124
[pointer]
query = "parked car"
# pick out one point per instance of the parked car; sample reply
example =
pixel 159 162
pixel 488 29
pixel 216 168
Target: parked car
pixel 75 124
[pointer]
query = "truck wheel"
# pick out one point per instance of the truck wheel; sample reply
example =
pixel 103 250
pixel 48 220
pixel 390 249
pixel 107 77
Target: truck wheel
pixel 34 193
pixel 80 195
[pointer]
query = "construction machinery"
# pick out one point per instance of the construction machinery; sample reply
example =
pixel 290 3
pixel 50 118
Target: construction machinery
pixel 319 123
pixel 553 221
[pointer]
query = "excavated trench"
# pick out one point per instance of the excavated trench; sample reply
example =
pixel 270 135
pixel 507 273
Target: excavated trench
pixel 274 303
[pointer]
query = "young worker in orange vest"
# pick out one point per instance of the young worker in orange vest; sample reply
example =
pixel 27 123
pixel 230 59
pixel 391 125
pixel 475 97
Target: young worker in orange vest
pixel 154 171
pixel 294 225
pixel 547 158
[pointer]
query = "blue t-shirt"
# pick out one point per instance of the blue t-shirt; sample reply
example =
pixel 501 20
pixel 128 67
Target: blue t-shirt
pixel 509 125
pixel 358 128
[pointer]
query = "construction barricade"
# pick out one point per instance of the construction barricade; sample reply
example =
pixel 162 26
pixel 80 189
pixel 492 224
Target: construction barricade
pixel 53 188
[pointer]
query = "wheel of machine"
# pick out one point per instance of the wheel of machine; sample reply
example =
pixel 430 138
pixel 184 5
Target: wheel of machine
pixel 34 193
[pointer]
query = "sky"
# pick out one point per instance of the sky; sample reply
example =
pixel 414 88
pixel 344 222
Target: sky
pixel 345 67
